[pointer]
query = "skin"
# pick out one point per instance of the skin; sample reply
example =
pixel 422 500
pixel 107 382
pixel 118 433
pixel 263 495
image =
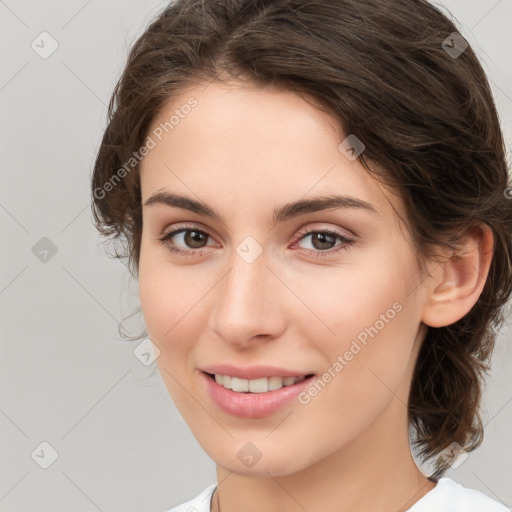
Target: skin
pixel 244 151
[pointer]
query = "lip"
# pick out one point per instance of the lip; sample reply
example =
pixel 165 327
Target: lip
pixel 253 372
pixel 252 405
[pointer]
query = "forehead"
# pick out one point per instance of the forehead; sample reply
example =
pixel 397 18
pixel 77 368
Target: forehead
pixel 251 147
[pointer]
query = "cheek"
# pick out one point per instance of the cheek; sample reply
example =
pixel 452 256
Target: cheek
pixel 175 303
pixel 167 309
pixel 171 320
pixel 165 294
pixel 358 302
pixel 372 320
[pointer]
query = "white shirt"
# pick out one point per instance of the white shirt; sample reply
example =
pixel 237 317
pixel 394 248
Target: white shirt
pixel 446 496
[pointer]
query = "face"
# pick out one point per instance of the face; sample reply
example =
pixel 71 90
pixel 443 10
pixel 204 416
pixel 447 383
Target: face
pixel 247 287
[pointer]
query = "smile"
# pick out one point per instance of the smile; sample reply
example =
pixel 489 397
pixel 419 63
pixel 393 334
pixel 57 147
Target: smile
pixel 253 398
pixel 262 385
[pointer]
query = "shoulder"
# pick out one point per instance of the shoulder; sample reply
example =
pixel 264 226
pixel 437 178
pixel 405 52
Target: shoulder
pixel 201 503
pixel 450 496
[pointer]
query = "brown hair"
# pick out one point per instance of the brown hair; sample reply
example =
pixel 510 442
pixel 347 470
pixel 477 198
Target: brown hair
pixel 383 69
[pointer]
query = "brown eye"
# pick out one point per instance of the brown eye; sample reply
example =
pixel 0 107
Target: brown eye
pixel 323 242
pixel 195 239
pixel 185 241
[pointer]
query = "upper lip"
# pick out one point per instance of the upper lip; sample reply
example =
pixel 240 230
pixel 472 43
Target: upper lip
pixel 252 372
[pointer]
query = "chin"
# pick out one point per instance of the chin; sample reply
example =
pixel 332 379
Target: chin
pixel 236 458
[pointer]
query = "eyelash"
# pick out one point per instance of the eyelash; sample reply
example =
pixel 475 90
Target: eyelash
pixel 346 242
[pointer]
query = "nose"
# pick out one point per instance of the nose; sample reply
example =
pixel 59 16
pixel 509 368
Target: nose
pixel 249 303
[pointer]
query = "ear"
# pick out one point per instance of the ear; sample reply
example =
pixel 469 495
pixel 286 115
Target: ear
pixel 458 281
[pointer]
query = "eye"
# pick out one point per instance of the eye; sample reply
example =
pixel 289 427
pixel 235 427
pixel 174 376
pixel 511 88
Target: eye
pixel 322 240
pixel 195 239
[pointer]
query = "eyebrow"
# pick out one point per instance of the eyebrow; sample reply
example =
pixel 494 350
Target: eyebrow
pixel 280 214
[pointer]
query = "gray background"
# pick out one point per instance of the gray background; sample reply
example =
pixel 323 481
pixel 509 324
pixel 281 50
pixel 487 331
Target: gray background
pixel 66 376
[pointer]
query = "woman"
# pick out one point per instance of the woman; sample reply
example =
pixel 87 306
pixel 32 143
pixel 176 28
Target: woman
pixel 314 200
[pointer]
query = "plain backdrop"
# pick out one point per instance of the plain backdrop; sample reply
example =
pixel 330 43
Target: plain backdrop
pixel 73 395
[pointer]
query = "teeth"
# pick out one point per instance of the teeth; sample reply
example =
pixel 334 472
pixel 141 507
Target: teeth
pixel 275 383
pixel 241 385
pixel 256 385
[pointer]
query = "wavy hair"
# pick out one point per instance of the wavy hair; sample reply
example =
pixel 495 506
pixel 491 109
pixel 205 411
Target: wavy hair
pixel 384 70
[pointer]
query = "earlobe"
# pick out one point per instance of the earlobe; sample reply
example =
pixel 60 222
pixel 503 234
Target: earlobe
pixel 458 282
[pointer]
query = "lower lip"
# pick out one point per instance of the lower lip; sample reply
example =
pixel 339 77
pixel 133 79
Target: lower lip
pixel 253 405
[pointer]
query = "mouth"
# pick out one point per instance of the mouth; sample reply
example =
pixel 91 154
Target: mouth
pixel 254 398
pixel 256 386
